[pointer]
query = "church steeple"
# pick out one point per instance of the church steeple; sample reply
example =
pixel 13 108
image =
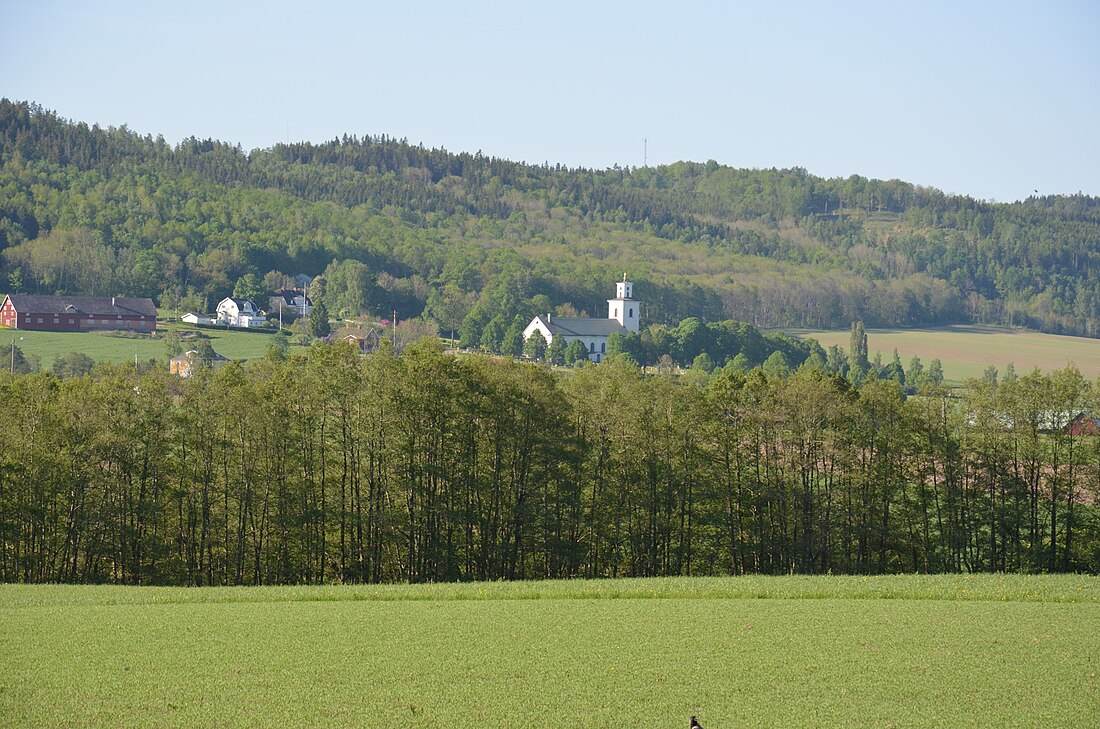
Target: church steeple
pixel 624 308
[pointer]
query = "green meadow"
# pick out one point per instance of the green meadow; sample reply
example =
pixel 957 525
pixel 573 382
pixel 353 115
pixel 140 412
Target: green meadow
pixel 104 347
pixel 990 650
pixel 967 350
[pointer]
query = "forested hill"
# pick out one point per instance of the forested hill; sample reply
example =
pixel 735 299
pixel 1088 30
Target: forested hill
pixel 467 237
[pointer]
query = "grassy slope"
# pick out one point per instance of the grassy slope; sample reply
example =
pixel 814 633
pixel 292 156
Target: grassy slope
pixel 969 651
pixel 967 350
pixel 102 347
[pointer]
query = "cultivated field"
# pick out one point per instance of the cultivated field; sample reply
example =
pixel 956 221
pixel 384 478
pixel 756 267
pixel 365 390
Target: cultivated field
pixel 738 652
pixel 102 347
pixel 966 351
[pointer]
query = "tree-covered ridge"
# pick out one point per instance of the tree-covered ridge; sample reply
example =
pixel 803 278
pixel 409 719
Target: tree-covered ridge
pixel 773 247
pixel 333 467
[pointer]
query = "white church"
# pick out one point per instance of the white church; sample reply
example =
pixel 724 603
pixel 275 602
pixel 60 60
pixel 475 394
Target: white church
pixel 623 313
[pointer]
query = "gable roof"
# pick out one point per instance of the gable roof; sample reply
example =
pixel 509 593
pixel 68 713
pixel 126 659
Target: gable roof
pixel 87 305
pixel 239 302
pixel 583 327
pixel 288 296
pixel 192 354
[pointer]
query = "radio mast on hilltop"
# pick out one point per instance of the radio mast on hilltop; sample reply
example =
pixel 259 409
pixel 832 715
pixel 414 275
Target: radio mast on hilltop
pixel 645 151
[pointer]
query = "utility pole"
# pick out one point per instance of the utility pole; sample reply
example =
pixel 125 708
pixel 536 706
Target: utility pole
pixel 13 353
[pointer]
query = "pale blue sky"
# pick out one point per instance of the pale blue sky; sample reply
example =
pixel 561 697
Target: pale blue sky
pixel 991 100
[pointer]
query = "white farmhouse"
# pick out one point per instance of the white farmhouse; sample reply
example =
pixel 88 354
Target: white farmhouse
pixel 623 313
pixel 239 313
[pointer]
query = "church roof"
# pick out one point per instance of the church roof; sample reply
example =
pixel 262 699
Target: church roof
pixel 582 327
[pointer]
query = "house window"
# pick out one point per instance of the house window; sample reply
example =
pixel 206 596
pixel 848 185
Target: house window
pixel 39 320
pixel 72 321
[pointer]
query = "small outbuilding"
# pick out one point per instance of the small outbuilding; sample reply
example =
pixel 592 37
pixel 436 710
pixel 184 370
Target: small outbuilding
pixel 185 364
pixel 193 318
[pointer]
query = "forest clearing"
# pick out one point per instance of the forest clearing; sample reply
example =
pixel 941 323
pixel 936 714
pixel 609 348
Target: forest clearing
pixel 967 350
pixel 963 650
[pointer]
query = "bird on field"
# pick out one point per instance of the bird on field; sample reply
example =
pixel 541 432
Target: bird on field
pixel 695 724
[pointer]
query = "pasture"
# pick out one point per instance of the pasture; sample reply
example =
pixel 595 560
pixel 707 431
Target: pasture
pixel 987 650
pixel 967 350
pixel 104 347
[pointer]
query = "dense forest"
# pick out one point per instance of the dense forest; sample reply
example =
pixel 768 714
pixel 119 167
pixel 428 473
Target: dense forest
pixel 463 239
pixel 332 467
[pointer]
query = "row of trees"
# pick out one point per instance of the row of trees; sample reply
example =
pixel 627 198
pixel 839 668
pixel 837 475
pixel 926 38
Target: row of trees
pixel 332 467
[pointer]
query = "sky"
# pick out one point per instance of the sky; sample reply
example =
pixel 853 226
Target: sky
pixel 989 99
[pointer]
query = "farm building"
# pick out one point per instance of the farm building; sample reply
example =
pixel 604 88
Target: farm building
pixel 193 318
pixel 1084 424
pixel 367 340
pixel 623 313
pixel 184 364
pixel 78 313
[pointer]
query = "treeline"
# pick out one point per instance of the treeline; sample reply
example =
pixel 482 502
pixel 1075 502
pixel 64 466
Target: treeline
pixel 336 468
pixel 184 222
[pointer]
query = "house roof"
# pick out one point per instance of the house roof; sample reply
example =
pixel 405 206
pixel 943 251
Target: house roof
pixel 288 296
pixel 192 354
pixel 583 327
pixel 358 333
pixel 88 305
pixel 239 302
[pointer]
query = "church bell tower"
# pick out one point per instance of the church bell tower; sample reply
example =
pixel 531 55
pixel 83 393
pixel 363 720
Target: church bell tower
pixel 624 308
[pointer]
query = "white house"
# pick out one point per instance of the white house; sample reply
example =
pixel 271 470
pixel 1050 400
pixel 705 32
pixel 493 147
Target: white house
pixel 193 318
pixel 623 313
pixel 239 313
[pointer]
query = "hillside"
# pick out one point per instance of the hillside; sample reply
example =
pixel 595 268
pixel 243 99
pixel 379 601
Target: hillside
pixel 464 238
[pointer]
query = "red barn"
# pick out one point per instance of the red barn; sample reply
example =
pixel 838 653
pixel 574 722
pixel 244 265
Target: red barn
pixel 1084 424
pixel 78 313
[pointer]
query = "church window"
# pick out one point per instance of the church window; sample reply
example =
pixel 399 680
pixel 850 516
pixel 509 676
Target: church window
pixel 631 312
pixel 603 346
pixel 591 345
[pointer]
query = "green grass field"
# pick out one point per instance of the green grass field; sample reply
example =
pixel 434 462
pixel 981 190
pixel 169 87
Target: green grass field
pixel 102 347
pixel 738 652
pixel 966 351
